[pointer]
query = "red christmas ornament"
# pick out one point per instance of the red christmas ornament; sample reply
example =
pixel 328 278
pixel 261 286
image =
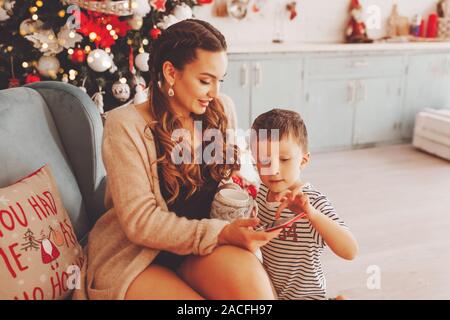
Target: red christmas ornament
pixel 78 56
pixel 200 2
pixel 32 77
pixel 97 23
pixel 155 33
pixel 13 83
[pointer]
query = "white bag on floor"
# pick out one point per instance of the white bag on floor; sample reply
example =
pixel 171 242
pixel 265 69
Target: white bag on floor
pixel 432 132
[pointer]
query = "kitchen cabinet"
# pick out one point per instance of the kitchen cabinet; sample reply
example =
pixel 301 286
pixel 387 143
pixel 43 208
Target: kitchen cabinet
pixel 259 85
pixel 427 86
pixel 348 99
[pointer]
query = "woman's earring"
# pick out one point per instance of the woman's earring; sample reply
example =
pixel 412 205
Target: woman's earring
pixel 170 92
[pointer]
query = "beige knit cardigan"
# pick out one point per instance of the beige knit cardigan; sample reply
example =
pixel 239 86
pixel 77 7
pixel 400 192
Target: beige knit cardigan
pixel 137 223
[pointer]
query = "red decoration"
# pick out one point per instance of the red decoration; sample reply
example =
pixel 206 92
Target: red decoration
pixel 155 33
pixel 200 2
pixel 159 5
pixel 131 60
pixel 32 77
pixel 49 252
pixel 292 8
pixel 251 189
pixel 13 82
pixel 432 29
pixel 238 181
pixel 422 29
pixel 78 56
pixel 356 28
pixel 255 8
pixel 97 23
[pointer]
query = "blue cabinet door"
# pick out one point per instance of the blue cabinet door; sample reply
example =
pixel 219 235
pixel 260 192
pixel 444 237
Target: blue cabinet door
pixel 276 83
pixel 427 86
pixel 329 113
pixel 237 87
pixel 378 110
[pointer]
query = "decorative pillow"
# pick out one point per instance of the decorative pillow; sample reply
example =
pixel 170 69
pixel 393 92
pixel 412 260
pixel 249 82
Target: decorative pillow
pixel 40 257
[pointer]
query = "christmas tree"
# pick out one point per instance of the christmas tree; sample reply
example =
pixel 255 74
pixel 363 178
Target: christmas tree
pixel 30 241
pixel 100 46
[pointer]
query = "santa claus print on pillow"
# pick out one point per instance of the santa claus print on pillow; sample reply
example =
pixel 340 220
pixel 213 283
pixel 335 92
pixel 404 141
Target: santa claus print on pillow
pixel 40 256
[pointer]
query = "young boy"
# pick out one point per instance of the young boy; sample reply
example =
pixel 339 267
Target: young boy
pixel 292 259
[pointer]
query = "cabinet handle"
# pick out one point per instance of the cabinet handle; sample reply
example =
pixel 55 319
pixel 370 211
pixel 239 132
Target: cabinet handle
pixel 359 64
pixel 351 92
pixel 244 75
pixel 258 75
pixel 398 125
pixel 361 95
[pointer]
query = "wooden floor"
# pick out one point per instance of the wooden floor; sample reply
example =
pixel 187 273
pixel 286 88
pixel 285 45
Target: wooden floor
pixel 396 200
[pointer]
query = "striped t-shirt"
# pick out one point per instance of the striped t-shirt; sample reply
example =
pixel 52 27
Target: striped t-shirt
pixel 292 259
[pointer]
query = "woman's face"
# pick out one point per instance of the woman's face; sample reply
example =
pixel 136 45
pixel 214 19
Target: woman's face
pixel 198 83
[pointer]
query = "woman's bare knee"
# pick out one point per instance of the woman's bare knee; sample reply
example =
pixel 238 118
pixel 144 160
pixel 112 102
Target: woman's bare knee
pixel 159 283
pixel 228 273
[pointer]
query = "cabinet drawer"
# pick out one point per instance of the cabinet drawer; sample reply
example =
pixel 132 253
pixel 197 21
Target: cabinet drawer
pixel 354 66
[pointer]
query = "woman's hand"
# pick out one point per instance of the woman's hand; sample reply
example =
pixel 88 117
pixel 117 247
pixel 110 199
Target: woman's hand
pixel 240 233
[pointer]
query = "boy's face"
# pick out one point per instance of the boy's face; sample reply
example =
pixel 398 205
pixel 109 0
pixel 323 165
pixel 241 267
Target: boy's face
pixel 279 163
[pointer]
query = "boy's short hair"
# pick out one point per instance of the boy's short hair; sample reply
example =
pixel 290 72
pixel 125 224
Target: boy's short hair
pixel 289 123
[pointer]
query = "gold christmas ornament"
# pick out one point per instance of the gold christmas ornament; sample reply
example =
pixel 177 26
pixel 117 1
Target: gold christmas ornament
pixel 48 66
pixel 118 8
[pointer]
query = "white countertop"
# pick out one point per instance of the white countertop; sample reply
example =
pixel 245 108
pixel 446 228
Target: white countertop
pixel 336 47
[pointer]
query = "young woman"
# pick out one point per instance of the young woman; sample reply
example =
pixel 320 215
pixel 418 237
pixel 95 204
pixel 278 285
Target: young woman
pixel 156 241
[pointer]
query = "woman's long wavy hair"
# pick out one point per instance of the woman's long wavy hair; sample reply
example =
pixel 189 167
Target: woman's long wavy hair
pixel 178 44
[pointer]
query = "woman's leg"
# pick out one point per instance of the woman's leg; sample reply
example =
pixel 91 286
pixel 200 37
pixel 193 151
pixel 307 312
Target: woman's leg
pixel 228 272
pixel 159 283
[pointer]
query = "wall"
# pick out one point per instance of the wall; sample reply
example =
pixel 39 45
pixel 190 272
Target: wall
pixel 317 21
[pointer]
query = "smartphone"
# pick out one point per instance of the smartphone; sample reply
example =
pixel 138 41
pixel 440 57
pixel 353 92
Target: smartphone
pixel 280 223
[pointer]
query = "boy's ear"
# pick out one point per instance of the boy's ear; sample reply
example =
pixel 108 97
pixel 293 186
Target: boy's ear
pixel 305 160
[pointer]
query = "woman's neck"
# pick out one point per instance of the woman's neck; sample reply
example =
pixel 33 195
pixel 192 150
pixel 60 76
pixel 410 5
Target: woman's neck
pixel 187 122
pixel 182 115
pixel 178 110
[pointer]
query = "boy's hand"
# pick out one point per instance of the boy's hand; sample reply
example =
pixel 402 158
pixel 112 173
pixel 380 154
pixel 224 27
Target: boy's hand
pixel 297 202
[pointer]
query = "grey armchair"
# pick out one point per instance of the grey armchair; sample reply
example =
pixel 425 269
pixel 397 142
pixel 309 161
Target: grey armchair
pixel 55 123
